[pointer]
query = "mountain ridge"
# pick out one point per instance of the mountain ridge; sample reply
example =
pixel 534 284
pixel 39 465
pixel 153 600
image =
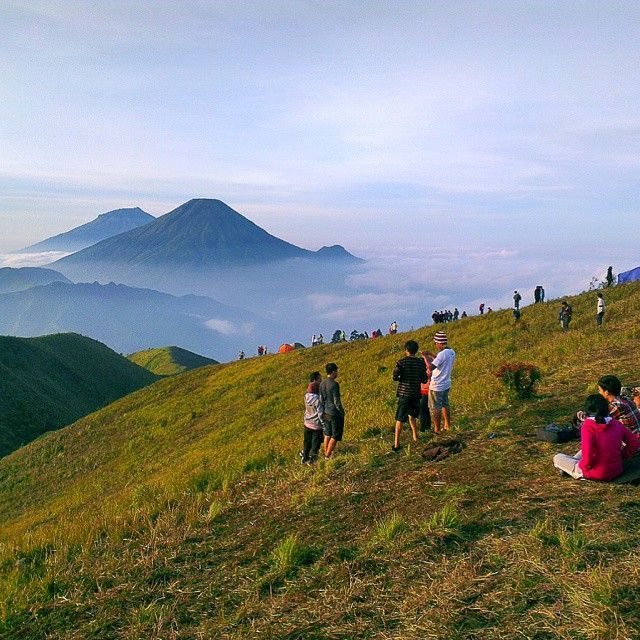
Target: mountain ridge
pixel 106 225
pixel 50 381
pixel 201 232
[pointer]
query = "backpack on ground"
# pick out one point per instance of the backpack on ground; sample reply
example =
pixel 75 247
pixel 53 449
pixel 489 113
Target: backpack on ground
pixel 557 434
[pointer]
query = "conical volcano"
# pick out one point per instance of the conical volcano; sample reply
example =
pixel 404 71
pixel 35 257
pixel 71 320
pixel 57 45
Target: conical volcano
pixel 199 233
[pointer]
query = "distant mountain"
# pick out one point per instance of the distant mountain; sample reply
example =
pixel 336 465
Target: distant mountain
pixel 201 233
pixel 130 319
pixel 337 252
pixel 51 381
pixel 18 279
pixel 169 361
pixel 104 226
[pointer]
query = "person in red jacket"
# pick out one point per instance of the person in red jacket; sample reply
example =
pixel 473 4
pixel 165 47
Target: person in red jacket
pixel 605 443
pixel 425 415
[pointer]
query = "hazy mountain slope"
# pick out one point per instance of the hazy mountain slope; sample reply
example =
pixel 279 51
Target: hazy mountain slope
pixel 129 319
pixel 104 226
pixel 168 361
pixel 205 247
pixel 198 521
pixel 12 279
pixel 51 381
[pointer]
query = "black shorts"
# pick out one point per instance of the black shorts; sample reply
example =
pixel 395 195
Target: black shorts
pixel 333 426
pixel 408 407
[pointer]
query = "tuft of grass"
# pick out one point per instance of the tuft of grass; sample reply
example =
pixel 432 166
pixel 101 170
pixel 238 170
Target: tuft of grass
pixel 443 523
pixel 389 528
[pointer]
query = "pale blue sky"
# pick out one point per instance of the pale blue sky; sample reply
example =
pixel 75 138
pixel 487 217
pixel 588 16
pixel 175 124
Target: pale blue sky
pixel 486 126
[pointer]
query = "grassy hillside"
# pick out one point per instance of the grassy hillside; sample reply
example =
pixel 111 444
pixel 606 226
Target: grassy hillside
pixel 49 382
pixel 168 361
pixel 180 511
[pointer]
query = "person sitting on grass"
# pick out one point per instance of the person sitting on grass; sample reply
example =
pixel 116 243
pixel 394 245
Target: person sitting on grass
pixel 602 438
pixel 409 373
pixel 313 426
pixel 620 408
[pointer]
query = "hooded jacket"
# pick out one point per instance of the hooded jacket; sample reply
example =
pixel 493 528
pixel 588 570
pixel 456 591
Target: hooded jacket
pixel 602 451
pixel 313 408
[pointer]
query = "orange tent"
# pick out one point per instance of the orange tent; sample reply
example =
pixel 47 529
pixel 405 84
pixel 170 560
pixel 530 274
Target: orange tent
pixel 285 348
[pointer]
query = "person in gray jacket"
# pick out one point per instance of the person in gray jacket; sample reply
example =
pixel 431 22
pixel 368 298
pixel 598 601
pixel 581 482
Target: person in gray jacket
pixel 333 417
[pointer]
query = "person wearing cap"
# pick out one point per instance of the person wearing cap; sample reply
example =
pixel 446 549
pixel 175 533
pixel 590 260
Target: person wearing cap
pixel 440 383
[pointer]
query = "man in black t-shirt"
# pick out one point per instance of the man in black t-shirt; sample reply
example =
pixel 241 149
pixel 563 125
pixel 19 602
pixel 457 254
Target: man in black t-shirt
pixel 409 373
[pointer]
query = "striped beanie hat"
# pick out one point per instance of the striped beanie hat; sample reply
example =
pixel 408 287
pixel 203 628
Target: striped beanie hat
pixel 440 337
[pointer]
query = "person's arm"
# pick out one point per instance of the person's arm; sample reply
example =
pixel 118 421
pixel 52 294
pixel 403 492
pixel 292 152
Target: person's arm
pixel 424 378
pixel 632 443
pixel 588 448
pixel 397 372
pixel 437 361
pixel 614 411
pixel 336 398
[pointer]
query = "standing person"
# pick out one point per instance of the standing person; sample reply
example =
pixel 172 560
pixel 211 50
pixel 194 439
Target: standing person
pixel 456 314
pixel 440 383
pixel 481 308
pixel 313 427
pixel 425 414
pixel 393 329
pixel 536 295
pixel 600 310
pixel 610 277
pixel 516 300
pixel 409 373
pixel 605 442
pixel 260 350
pixel 541 293
pixel 565 315
pixel 333 416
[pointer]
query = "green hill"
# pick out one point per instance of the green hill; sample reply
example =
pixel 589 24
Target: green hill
pixel 168 361
pixel 180 511
pixel 51 381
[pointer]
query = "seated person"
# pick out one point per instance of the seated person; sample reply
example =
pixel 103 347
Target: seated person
pixel 623 409
pixel 602 438
pixel 620 407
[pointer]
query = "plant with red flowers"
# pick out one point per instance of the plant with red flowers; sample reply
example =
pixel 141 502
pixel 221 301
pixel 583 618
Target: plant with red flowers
pixel 519 378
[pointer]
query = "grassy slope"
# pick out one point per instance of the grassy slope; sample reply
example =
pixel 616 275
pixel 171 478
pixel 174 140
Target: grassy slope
pixel 196 523
pixel 49 382
pixel 168 361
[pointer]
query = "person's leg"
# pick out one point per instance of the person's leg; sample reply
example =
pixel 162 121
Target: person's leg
pixel 446 418
pixel 326 444
pixel 396 439
pixel 436 412
pixel 316 442
pixel 414 428
pixel 336 433
pixel 425 416
pixel 568 464
pixel 306 447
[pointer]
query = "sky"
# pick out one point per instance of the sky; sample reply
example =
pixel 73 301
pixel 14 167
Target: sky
pixel 463 148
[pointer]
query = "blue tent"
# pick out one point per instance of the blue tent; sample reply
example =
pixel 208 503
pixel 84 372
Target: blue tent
pixel 629 276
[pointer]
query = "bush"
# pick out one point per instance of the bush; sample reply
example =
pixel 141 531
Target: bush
pixel 519 378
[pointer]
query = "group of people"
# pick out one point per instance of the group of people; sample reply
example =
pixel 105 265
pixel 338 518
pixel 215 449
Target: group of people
pixel 442 317
pixel 609 433
pixel 423 387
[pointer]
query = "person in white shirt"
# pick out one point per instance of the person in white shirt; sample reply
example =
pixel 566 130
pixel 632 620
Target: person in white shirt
pixel 441 383
pixel 600 311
